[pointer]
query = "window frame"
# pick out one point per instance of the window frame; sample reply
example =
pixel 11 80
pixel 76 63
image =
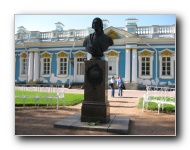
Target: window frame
pixel 148 54
pixel 115 71
pixel 145 66
pixel 167 53
pixel 166 61
pixel 59 56
pixel 21 64
pixel 113 53
pixel 46 66
pixel 43 56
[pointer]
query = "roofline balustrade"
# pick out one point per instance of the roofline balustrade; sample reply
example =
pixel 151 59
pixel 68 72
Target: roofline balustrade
pixel 72 33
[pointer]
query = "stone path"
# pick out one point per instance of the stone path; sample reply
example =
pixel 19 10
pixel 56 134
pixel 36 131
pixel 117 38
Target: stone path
pixel 40 121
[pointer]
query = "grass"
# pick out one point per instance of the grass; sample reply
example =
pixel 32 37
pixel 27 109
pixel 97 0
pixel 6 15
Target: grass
pixel 69 100
pixel 153 106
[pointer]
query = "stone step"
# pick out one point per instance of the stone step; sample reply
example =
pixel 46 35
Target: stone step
pixel 77 86
pixel 131 86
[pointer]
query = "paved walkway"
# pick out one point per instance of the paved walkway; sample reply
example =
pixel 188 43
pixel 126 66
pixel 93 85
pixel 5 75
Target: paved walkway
pixel 41 121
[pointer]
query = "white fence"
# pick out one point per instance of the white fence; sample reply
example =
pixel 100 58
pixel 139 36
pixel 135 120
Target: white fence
pixel 38 92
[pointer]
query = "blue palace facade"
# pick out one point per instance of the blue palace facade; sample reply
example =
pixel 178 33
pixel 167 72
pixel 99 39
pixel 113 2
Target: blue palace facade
pixel 141 55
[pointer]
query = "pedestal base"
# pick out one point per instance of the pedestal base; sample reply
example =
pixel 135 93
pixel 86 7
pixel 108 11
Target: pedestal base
pixel 94 112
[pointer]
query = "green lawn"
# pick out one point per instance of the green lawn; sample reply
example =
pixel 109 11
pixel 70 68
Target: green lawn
pixel 153 106
pixel 69 100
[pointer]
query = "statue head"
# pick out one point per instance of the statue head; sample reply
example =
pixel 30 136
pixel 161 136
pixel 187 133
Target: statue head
pixel 97 22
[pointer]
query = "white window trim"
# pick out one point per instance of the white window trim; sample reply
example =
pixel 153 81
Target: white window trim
pixel 42 65
pixel 151 64
pixel 75 61
pixel 171 64
pixel 117 61
pixel 116 75
pixel 21 65
pixel 58 67
pixel 75 67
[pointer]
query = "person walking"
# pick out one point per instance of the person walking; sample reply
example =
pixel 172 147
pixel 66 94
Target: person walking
pixel 112 83
pixel 120 85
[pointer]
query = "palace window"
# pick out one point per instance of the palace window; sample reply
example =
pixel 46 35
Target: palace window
pixel 80 66
pixel 62 64
pixel 23 64
pixel 112 65
pixel 145 68
pixel 46 59
pixel 112 56
pixel 46 70
pixel 166 64
pixel 145 58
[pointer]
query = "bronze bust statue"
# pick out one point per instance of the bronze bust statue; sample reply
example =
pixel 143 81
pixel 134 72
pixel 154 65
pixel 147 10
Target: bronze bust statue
pixel 97 43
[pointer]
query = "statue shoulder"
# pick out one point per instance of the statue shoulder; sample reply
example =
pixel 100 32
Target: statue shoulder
pixel 87 39
pixel 108 38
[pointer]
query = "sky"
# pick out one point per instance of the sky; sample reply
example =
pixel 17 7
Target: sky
pixel 45 23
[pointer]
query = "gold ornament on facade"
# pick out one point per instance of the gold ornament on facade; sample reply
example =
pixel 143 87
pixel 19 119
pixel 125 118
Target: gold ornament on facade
pixel 145 54
pixel 30 81
pixel 23 55
pixel 112 53
pixel 166 53
pixel 79 54
pixel 46 55
pixel 112 34
pixel 35 81
pixel 62 54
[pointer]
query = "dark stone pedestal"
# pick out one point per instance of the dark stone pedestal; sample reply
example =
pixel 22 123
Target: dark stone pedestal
pixel 95 106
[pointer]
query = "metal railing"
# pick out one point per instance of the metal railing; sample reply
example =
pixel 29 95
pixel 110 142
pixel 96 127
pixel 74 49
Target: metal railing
pixel 38 92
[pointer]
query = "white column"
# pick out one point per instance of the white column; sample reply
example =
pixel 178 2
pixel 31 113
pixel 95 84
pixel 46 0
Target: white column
pixel 127 65
pixel 36 67
pixel 134 65
pixel 117 66
pixel 75 69
pixel 30 67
